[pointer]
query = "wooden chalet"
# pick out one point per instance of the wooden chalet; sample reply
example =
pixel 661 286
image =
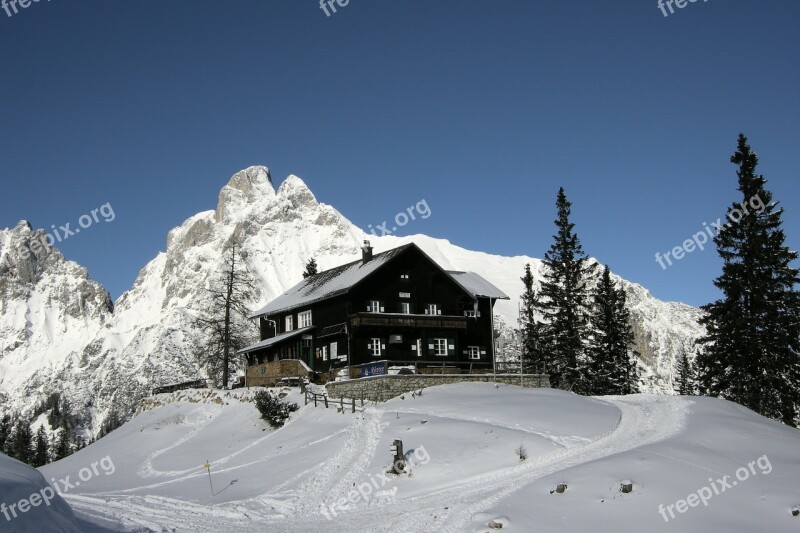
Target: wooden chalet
pixel 399 306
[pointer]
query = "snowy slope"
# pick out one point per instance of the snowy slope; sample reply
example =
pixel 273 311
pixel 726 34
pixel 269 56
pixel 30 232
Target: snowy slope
pixel 461 441
pixel 42 510
pixel 58 333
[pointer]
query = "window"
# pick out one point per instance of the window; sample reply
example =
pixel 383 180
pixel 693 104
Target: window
pixel 375 347
pixel 433 309
pixel 440 347
pixel 375 306
pixel 474 352
pixel 324 353
pixel 405 276
pixel 289 323
pixel 334 350
pixel 472 313
pixel 405 308
pixel 304 319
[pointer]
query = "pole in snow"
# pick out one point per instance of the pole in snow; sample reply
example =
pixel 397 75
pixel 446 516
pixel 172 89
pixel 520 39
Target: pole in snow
pixel 207 466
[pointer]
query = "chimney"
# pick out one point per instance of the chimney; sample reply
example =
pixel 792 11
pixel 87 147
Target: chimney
pixel 366 253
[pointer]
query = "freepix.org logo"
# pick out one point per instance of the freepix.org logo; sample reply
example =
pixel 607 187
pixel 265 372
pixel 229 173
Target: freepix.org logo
pixel 62 486
pixel 12 7
pixel 663 5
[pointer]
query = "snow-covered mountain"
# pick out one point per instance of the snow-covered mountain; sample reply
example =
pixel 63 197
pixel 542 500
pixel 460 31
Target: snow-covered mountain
pixel 60 332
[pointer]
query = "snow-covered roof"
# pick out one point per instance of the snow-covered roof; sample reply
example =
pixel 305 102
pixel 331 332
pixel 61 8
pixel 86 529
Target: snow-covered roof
pixel 274 340
pixel 339 280
pixel 328 284
pixel 477 285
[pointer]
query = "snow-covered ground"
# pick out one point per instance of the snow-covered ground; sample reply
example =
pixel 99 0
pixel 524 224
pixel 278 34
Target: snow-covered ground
pixel 325 471
pixel 29 504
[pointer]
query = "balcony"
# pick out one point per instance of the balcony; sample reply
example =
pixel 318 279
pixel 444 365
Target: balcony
pixel 396 320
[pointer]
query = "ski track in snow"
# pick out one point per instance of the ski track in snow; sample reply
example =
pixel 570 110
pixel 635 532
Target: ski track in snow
pixel 653 420
pixel 643 420
pixel 334 478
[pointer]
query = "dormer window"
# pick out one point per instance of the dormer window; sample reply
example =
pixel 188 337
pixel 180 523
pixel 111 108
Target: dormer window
pixel 304 319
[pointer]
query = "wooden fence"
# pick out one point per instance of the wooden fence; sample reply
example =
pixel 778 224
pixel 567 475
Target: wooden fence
pixel 339 404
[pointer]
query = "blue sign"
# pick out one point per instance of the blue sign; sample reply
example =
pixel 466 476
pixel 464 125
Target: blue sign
pixel 374 369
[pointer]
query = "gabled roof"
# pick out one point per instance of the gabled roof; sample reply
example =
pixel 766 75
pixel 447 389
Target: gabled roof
pixel 477 285
pixel 328 284
pixel 341 279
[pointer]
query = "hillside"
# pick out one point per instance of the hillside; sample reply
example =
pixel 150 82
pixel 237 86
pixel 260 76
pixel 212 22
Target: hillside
pixel 462 441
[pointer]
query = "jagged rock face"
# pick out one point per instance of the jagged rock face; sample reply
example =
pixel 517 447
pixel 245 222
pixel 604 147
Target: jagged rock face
pixel 58 331
pixel 49 313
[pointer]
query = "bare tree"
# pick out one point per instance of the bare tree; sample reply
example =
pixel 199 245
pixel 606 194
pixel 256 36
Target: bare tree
pixel 223 317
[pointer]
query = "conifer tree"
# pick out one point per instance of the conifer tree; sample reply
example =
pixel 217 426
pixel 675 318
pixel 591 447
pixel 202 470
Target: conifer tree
pixel 40 449
pixel 311 268
pixel 530 327
pixel 632 373
pixel 62 443
pixel 5 431
pixel 686 377
pixel 750 353
pixel 564 301
pixel 610 369
pixel 22 442
pixel 112 422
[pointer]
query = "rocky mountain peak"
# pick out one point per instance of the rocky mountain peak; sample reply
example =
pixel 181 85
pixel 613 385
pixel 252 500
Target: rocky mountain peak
pixel 26 253
pixel 295 190
pixel 250 186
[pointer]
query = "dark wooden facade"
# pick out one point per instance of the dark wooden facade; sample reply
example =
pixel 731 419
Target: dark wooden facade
pixel 407 311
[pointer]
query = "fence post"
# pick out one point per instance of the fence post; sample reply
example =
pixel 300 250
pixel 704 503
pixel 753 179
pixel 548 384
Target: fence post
pixel 326 400
pixel 354 404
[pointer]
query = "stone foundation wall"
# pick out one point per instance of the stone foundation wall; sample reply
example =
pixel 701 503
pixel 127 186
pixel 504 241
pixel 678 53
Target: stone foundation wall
pixel 382 388
pixel 268 374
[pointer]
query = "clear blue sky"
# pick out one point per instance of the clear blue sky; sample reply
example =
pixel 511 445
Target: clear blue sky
pixel 482 108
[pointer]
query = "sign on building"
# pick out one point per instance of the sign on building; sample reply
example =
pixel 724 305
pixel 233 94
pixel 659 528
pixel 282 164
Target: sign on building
pixel 378 368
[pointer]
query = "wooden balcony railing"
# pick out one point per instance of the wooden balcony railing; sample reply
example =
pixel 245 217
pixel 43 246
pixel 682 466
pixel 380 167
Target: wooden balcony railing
pixel 408 321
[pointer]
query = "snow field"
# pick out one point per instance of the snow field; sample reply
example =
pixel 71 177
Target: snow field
pixel 292 479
